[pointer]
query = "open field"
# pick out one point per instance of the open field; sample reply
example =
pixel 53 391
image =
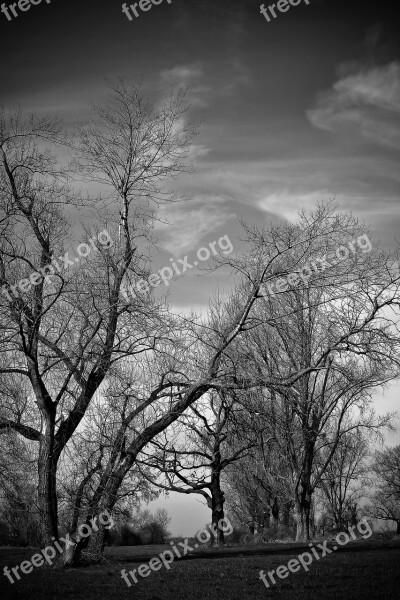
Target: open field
pixel 363 569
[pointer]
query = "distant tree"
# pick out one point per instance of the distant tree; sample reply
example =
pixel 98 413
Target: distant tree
pixel 163 519
pixel 386 499
pixel 191 457
pixel 345 479
pixel 18 506
pixel 258 493
pixel 152 529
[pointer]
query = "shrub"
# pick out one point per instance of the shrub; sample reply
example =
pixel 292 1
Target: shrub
pixel 239 536
pixel 124 536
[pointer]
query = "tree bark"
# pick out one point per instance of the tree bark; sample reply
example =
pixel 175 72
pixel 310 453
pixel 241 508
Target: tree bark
pixel 217 495
pixel 275 512
pixel 217 508
pixel 47 492
pixel 94 543
pixel 303 499
pixel 302 518
pixel 299 518
pixel 103 500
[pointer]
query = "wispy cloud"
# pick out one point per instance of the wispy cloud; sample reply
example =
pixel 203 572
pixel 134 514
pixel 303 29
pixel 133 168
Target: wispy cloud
pixel 197 151
pixel 287 204
pixel 367 102
pixel 186 225
pixel 181 74
pixel 187 77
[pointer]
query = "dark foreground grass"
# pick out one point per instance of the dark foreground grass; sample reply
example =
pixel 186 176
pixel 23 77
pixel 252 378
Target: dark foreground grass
pixel 363 570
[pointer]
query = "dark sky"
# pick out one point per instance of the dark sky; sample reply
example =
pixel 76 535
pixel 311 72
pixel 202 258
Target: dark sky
pixel 301 109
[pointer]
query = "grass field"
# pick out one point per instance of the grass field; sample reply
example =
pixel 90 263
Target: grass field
pixel 361 570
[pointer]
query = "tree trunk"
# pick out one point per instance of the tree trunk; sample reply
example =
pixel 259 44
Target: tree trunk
pixel 286 510
pixel 398 528
pixel 98 541
pixel 72 554
pixel 299 518
pixel 302 518
pixel 217 508
pixel 103 501
pixel 303 499
pixel 275 512
pixel 93 543
pixel 47 491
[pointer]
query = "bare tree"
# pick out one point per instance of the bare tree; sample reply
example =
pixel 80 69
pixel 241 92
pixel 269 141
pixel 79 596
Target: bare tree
pixel 63 328
pixel 192 457
pixel 18 508
pixel 386 499
pixel 345 479
pixel 259 493
pixel 332 326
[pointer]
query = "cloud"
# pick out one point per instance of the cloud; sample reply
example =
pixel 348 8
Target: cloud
pixel 197 151
pixel 182 77
pixel 367 102
pixel 185 225
pixel 181 74
pixel 287 204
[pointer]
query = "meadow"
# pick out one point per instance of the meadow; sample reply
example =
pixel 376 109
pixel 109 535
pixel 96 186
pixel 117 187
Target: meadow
pixel 368 569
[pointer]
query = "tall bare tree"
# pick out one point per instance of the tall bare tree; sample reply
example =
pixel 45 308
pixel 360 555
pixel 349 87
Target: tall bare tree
pixel 64 323
pixel 331 324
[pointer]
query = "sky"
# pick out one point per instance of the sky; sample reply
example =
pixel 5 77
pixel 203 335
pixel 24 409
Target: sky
pixel 300 109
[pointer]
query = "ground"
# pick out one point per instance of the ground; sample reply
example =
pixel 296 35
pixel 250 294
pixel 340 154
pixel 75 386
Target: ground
pixel 366 569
